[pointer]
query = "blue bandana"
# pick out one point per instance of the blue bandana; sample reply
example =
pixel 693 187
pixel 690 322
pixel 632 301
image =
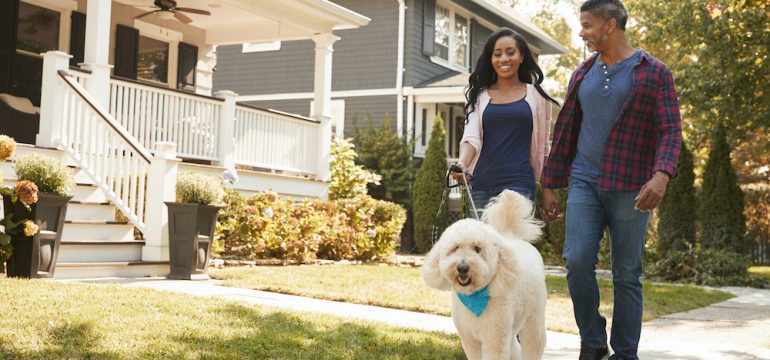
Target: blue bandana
pixel 477 301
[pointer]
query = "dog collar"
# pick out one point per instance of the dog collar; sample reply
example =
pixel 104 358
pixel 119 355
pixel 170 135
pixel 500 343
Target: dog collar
pixel 477 301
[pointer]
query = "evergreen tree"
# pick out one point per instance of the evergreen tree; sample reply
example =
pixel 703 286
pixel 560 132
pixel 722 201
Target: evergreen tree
pixel 429 186
pixel 676 227
pixel 721 202
pixel 382 151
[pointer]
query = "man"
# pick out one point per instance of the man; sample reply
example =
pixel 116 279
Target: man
pixel 616 144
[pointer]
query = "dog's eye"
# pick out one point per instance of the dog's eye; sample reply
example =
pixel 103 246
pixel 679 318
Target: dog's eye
pixel 477 249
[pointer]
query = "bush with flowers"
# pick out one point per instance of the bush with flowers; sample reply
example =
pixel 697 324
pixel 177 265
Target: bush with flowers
pixel 25 192
pixel 351 226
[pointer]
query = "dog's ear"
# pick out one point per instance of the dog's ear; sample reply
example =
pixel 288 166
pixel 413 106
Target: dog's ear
pixel 507 269
pixel 430 271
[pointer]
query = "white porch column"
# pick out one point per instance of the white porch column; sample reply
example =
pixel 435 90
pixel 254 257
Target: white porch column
pixel 161 186
pixel 226 139
pixel 51 97
pixel 322 90
pixel 97 50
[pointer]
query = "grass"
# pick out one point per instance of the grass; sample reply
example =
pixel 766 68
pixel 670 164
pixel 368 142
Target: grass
pixel 402 288
pixel 48 320
pixel 760 271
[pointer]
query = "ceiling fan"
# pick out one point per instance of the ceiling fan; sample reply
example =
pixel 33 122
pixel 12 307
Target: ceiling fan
pixel 169 9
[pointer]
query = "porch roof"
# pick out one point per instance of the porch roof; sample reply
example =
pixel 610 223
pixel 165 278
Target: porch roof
pixel 544 42
pixel 241 21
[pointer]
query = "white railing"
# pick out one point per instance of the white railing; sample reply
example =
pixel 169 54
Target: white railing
pixel 110 156
pixel 271 139
pixel 152 114
pixel 80 75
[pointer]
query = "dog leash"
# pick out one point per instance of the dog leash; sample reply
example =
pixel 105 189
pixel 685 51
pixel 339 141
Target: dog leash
pixel 454 168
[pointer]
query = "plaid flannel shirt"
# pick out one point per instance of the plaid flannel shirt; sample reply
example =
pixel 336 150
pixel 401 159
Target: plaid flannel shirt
pixel 646 137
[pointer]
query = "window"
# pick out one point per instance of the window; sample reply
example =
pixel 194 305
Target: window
pixel 451 37
pixel 37 32
pixel 152 63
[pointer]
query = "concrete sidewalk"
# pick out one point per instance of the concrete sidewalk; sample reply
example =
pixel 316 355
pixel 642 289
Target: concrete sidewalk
pixel 735 329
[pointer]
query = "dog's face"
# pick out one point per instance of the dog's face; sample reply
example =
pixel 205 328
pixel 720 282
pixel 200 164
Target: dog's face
pixel 468 255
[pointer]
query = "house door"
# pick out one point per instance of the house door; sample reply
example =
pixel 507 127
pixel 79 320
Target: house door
pixel 8 16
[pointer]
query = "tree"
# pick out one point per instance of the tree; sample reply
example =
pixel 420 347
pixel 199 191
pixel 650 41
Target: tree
pixel 382 151
pixel 429 187
pixel 348 179
pixel 676 227
pixel 723 223
pixel 717 51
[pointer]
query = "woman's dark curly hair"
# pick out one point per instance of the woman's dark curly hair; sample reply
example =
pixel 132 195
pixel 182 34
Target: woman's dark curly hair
pixel 484 75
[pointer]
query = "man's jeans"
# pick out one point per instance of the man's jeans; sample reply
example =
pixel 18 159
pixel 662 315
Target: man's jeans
pixel 589 211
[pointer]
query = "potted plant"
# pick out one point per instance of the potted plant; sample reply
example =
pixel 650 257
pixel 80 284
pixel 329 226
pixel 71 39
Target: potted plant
pixel 39 202
pixel 191 223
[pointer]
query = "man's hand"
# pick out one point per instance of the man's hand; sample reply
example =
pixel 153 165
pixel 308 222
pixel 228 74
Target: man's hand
pixel 551 209
pixel 652 192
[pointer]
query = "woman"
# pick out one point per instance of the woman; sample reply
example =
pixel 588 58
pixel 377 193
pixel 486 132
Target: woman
pixel 507 116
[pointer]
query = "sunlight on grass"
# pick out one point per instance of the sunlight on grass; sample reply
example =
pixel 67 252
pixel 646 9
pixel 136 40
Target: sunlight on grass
pixel 47 320
pixel 402 288
pixel 761 271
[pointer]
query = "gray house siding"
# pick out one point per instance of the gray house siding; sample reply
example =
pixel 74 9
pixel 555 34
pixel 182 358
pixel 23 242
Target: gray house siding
pixel 364 58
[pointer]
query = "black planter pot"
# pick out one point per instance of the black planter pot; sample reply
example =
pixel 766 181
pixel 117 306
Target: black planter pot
pixel 191 231
pixel 35 256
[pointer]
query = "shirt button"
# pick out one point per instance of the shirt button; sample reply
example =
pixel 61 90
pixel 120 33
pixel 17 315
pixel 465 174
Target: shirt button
pixel 608 80
pixel 606 87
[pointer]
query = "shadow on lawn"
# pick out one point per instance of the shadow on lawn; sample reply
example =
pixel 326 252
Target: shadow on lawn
pixel 286 336
pixel 64 341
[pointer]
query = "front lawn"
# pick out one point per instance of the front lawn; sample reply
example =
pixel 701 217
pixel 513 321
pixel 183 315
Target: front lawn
pixel 402 288
pixel 48 320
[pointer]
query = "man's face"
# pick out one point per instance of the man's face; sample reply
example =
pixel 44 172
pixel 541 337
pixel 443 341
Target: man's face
pixel 594 31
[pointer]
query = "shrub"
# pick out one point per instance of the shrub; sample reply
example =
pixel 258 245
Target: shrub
pixel 200 189
pixel 382 151
pixel 49 174
pixel 757 220
pixel 676 226
pixel 428 188
pixel 721 202
pixel 705 267
pixel 348 179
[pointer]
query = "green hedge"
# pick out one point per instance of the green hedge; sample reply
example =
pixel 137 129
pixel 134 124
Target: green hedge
pixel 705 267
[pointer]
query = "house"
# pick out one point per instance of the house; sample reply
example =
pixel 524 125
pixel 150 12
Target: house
pixel 121 90
pixel 410 63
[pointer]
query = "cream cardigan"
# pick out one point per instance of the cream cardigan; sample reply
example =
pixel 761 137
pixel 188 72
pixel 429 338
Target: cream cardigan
pixel 541 120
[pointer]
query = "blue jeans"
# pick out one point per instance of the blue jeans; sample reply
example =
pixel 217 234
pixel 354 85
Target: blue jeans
pixel 481 197
pixel 589 211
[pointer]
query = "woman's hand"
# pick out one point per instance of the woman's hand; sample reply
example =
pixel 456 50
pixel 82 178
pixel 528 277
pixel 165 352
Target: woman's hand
pixel 551 208
pixel 458 176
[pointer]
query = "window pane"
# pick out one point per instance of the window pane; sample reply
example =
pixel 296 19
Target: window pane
pixel 38 29
pixel 441 48
pixel 461 41
pixel 153 60
pixel 27 77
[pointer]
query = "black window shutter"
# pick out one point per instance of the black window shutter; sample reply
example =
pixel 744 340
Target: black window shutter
pixel 428 26
pixel 9 11
pixel 188 57
pixel 479 35
pixel 126 51
pixel 77 38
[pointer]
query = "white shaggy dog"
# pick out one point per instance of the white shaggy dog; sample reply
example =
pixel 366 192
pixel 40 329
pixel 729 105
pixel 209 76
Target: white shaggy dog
pixel 497 280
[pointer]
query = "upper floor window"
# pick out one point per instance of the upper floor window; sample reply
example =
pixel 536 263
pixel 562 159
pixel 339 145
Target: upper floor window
pixel 451 37
pixel 152 60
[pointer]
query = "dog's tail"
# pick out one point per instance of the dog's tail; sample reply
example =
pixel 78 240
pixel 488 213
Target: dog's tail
pixel 511 213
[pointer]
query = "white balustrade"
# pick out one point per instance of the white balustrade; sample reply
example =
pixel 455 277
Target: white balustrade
pixel 271 139
pixel 152 114
pixel 110 156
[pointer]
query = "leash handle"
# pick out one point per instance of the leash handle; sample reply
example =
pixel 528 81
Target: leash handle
pixel 457 169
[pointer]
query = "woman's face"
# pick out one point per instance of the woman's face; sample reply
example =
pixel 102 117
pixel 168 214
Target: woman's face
pixel 506 58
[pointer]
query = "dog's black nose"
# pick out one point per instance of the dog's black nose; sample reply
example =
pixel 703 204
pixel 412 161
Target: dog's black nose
pixel 463 268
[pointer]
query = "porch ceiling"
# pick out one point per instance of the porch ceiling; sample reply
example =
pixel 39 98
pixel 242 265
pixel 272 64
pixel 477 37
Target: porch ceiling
pixel 240 21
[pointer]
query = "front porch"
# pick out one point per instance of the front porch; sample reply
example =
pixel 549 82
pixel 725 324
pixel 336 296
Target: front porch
pixel 129 126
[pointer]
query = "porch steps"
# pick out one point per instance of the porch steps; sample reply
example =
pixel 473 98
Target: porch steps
pixel 93 244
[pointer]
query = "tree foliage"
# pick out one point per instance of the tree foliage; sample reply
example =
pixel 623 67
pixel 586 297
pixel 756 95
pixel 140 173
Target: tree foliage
pixel 717 51
pixel 676 225
pixel 429 187
pixel 721 203
pixel 348 179
pixel 382 151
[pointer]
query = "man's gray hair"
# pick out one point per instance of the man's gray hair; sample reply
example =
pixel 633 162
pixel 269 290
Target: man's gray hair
pixel 607 9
